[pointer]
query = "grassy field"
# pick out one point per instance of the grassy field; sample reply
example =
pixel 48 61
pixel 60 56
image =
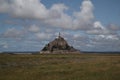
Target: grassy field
pixel 60 67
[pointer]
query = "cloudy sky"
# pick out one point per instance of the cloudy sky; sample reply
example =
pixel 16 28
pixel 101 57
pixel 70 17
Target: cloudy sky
pixel 88 25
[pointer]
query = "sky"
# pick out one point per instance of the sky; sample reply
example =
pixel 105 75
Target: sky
pixel 87 25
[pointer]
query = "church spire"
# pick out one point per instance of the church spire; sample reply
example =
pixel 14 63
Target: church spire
pixel 59 35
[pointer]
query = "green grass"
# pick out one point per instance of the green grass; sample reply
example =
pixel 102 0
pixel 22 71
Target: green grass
pixel 60 67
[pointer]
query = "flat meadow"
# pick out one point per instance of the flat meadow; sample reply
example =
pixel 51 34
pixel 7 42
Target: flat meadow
pixel 60 67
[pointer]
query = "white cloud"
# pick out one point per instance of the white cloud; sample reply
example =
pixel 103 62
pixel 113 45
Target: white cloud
pixel 24 8
pixel 49 30
pixel 34 28
pixel 109 37
pixel 98 32
pixel 76 36
pixel 62 20
pixel 113 27
pixel 84 18
pixel 59 7
pixel 54 16
pixel 99 29
pixel 86 12
pixel 98 25
pixel 81 20
pixel 5 46
pixel 43 36
pixel 13 33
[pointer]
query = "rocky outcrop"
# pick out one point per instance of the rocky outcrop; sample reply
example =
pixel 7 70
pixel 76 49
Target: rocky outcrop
pixel 59 45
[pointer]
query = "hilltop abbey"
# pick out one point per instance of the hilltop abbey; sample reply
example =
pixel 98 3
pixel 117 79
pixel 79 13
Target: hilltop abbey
pixel 58 45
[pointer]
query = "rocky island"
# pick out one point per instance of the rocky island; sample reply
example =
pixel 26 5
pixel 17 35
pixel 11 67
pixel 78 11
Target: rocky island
pixel 58 45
